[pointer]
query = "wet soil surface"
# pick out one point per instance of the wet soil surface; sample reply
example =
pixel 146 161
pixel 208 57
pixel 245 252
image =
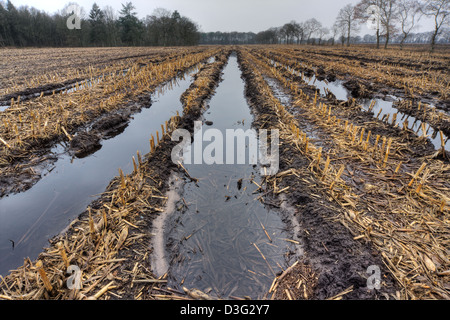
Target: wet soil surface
pixel 135 207
pixel 221 238
pixel 339 261
pixel 25 172
pixel 364 88
pixel 50 88
pixel 350 110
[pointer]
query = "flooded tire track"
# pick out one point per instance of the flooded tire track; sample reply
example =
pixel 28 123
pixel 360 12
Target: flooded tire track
pixel 110 240
pixel 81 171
pixel 373 190
pixel 221 236
pixel 391 110
pixel 337 259
pixel 22 165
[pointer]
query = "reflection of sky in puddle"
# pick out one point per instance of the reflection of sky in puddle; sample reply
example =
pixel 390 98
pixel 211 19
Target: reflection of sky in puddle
pixel 217 236
pixel 334 87
pixel 29 218
pixel 385 108
pixel 381 108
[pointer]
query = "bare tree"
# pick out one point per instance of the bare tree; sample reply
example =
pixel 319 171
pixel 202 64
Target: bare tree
pixel 299 31
pixel 290 31
pixel 409 15
pixel 346 18
pixel 383 11
pixel 439 10
pixel 311 27
pixel 283 33
pixel 388 17
pixel 322 32
pixel 341 30
pixel 335 32
pixel 369 10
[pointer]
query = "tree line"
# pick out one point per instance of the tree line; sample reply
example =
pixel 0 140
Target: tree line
pixel 25 26
pixel 393 21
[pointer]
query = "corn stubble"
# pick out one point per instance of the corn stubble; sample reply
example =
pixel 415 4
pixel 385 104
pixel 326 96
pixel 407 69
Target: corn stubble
pixel 112 232
pixel 402 207
pixel 388 196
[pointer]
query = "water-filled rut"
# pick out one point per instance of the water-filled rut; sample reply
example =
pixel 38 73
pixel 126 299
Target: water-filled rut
pixel 382 108
pixel 216 235
pixel 29 219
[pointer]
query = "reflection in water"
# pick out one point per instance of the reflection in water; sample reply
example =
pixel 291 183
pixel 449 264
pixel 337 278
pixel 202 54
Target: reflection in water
pixel 31 217
pixel 381 108
pixel 221 238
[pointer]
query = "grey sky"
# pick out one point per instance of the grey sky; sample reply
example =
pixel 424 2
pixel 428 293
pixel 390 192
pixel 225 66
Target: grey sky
pixel 226 15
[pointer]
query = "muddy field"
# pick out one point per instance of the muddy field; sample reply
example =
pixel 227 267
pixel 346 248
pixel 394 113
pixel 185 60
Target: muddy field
pixel 87 177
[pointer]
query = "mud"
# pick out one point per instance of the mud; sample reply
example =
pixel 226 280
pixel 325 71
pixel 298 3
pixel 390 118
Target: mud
pixel 335 257
pixel 333 261
pixel 141 209
pixel 366 88
pixel 350 110
pixel 374 89
pixel 24 170
pixel 48 89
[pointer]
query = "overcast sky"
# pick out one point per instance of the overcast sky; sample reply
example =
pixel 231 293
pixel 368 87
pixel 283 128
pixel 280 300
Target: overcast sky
pixel 225 15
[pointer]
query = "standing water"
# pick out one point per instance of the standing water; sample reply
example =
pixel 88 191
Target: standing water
pixel 383 108
pixel 216 234
pixel 30 218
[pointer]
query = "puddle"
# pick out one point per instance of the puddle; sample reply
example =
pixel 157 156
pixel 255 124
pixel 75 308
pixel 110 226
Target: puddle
pixel 278 91
pixel 32 217
pixel 286 99
pixel 335 87
pixel 382 108
pixel 214 238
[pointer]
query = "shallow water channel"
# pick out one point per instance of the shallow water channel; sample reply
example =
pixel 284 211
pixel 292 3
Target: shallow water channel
pixel 381 108
pixel 216 235
pixel 30 218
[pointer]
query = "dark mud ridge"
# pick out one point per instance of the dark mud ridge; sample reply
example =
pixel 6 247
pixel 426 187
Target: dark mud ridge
pixel 125 240
pixel 84 143
pixel 339 261
pixel 48 89
pixel 25 172
pixel 354 113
